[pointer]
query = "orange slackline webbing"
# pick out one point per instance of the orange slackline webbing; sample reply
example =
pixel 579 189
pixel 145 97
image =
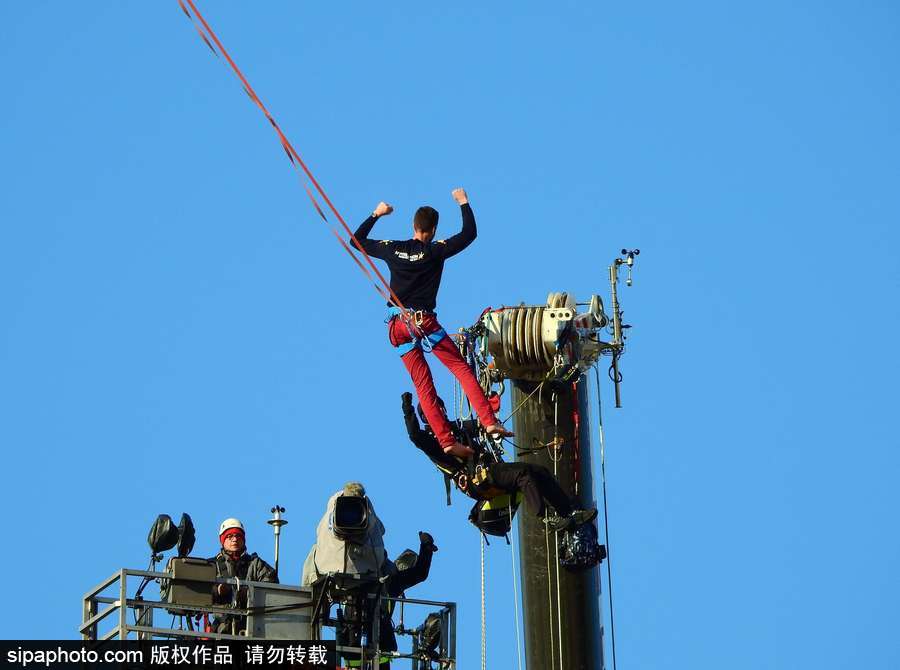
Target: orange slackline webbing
pixel 295 159
pixel 337 236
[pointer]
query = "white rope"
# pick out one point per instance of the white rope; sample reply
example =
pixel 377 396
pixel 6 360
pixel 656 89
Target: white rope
pixel 549 595
pixel 483 613
pixel 558 604
pixel 521 404
pixel 512 557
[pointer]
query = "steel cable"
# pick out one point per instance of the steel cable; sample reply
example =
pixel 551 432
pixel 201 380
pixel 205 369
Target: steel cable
pixel 512 556
pixel 207 33
pixel 612 619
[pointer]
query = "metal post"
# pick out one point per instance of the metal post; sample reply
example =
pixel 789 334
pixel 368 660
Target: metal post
pixel 451 644
pixel 616 313
pixel 144 617
pixel 277 522
pixel 123 606
pixel 562 617
pixel 618 341
pixel 88 610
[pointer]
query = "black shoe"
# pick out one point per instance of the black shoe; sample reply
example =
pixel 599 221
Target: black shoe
pixel 577 518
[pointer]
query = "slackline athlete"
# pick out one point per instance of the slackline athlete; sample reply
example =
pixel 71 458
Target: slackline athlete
pixel 416 266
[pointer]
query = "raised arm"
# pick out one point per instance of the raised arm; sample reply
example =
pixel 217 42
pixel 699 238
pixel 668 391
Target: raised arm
pixel 417 572
pixel 372 247
pixel 413 429
pixel 453 245
pixel 425 441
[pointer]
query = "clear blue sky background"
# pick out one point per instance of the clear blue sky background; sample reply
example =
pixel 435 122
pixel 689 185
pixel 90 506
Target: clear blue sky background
pixel 178 331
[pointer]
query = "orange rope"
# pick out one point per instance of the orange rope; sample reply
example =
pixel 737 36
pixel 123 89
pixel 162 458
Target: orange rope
pixel 207 33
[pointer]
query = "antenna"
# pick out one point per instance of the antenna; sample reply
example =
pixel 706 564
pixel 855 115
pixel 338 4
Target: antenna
pixel 618 343
pixel 277 522
pixel 628 261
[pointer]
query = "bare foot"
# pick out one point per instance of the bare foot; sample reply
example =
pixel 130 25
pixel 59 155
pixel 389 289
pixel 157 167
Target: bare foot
pixel 459 450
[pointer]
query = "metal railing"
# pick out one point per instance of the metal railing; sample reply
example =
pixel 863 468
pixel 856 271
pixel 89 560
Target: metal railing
pixel 272 611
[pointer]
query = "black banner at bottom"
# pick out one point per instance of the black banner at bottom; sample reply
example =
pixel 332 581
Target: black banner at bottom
pixel 169 654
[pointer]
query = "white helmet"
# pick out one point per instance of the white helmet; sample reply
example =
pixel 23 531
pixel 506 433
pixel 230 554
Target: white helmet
pixel 230 523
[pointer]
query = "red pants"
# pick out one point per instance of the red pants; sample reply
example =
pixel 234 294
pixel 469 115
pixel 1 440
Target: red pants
pixel 418 369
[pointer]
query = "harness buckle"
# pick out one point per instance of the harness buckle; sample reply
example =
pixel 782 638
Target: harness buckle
pixel 462 481
pixel 481 475
pixel 418 317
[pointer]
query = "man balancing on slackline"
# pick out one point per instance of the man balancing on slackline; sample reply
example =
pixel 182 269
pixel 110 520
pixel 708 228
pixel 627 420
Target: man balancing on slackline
pixel 416 266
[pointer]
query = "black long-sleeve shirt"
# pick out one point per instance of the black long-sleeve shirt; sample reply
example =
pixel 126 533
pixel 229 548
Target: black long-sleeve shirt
pixel 415 266
pixel 457 469
pixel 414 574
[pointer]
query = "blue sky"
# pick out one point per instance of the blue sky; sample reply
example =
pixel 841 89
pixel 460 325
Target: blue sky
pixel 179 332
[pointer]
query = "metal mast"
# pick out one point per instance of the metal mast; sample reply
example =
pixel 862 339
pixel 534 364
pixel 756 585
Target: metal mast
pixel 562 615
pixel 544 351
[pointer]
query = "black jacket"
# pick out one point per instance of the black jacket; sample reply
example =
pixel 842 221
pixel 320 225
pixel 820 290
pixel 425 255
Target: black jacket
pixel 249 567
pixel 393 586
pixel 459 471
pixel 416 267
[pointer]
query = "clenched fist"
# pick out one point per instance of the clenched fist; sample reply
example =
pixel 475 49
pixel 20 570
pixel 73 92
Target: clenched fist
pixel 383 209
pixel 460 196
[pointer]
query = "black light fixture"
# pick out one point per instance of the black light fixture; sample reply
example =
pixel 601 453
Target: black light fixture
pixel 186 535
pixel 163 534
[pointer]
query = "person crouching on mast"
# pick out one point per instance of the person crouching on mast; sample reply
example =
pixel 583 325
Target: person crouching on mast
pixel 535 482
pixel 416 266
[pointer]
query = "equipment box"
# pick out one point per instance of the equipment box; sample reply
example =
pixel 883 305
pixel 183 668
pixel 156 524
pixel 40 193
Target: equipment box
pixel 187 586
pixel 280 613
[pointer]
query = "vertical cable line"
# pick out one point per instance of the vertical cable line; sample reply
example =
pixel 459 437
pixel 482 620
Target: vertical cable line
pixel 550 598
pixel 612 619
pixel 483 612
pixel 512 558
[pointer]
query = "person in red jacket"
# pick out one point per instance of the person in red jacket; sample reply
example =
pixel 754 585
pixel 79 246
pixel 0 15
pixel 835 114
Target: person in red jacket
pixel 416 266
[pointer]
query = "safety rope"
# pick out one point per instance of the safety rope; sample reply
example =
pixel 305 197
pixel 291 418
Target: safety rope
pixel 558 601
pixel 206 33
pixel 553 447
pixel 483 612
pixel 576 436
pixel 512 560
pixel 612 619
pixel 556 533
pixel 549 595
pixel 521 404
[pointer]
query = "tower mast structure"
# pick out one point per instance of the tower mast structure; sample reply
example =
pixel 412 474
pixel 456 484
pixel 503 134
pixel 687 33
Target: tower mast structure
pixel 543 352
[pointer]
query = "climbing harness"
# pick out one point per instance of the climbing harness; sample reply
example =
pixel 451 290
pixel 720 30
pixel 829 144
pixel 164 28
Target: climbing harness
pixel 420 339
